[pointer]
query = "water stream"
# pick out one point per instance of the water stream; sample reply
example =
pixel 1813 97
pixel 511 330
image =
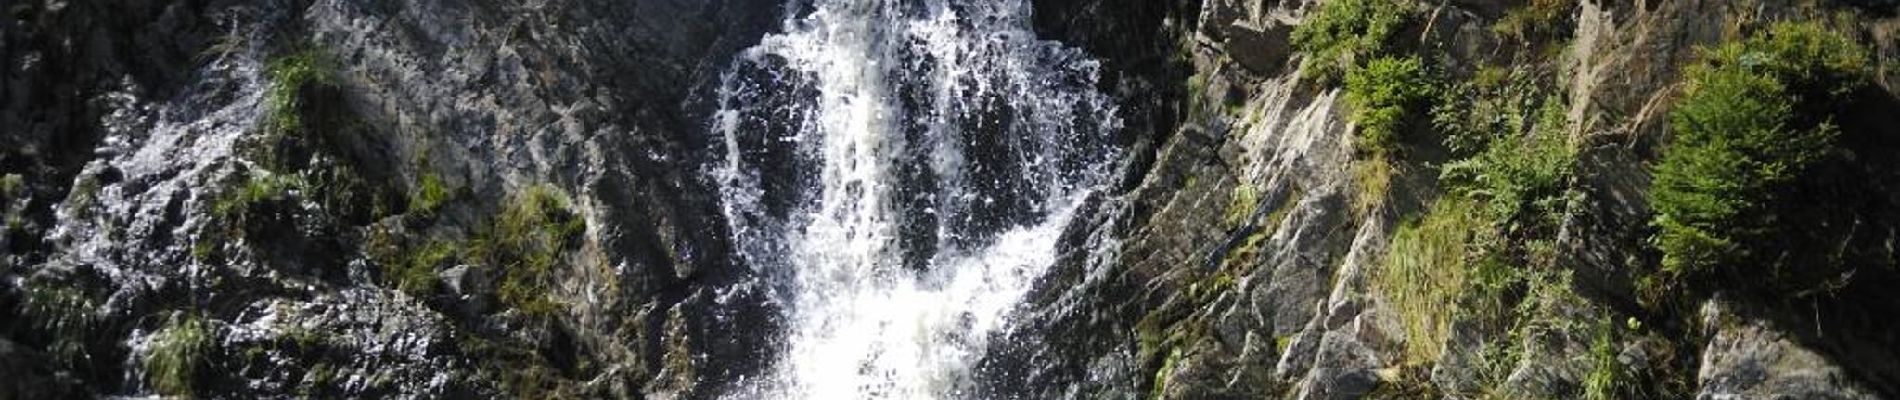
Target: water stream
pixel 899 171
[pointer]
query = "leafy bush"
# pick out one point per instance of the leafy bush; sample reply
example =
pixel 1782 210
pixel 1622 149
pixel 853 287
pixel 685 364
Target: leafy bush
pixel 1346 32
pixel 1755 117
pixel 1520 178
pixel 178 354
pixel 1383 94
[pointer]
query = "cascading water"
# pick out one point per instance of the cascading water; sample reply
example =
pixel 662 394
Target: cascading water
pixel 900 171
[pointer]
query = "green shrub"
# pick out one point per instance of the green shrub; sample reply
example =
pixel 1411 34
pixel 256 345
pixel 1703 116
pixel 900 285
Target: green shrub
pixel 1241 205
pixel 1347 32
pixel 1754 118
pixel 178 354
pixel 1382 95
pixel 1521 179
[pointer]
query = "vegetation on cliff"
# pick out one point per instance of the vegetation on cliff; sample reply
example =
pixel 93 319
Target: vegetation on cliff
pixel 1757 124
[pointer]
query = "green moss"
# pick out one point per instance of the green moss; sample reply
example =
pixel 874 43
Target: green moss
pixel 11 186
pixel 1344 33
pixel 83 196
pixel 179 355
pixel 1280 344
pixel 320 376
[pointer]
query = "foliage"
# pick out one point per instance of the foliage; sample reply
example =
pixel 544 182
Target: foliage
pixel 1426 267
pixel 66 315
pixel 1383 94
pixel 430 193
pixel 1535 19
pixel 1242 204
pixel 525 242
pixel 291 76
pixel 416 274
pixel 1374 176
pixel 178 355
pixel 1346 32
pixel 1521 179
pixel 259 187
pixel 1607 379
pixel 1754 118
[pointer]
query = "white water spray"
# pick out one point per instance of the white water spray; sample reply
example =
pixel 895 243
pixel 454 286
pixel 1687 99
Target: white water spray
pixel 901 170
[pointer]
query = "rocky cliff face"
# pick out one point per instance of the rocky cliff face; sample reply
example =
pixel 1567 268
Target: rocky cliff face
pixel 1252 255
pixel 344 198
pixel 341 198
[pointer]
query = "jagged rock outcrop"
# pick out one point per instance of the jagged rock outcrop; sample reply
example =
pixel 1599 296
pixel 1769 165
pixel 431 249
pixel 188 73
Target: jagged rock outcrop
pixel 364 137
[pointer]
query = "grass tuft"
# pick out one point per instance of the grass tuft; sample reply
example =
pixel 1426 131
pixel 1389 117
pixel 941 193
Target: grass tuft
pixel 178 355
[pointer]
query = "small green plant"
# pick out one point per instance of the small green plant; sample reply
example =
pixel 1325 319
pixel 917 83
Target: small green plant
pixel 1374 176
pixel 259 187
pixel 178 354
pixel 1347 32
pixel 416 274
pixel 1754 118
pixel 430 193
pixel 1606 379
pixel 1536 19
pixel 1383 94
pixel 525 243
pixel 1165 374
pixel 291 75
pixel 1242 204
pixel 66 315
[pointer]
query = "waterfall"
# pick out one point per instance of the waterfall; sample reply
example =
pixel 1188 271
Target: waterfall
pixel 899 171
